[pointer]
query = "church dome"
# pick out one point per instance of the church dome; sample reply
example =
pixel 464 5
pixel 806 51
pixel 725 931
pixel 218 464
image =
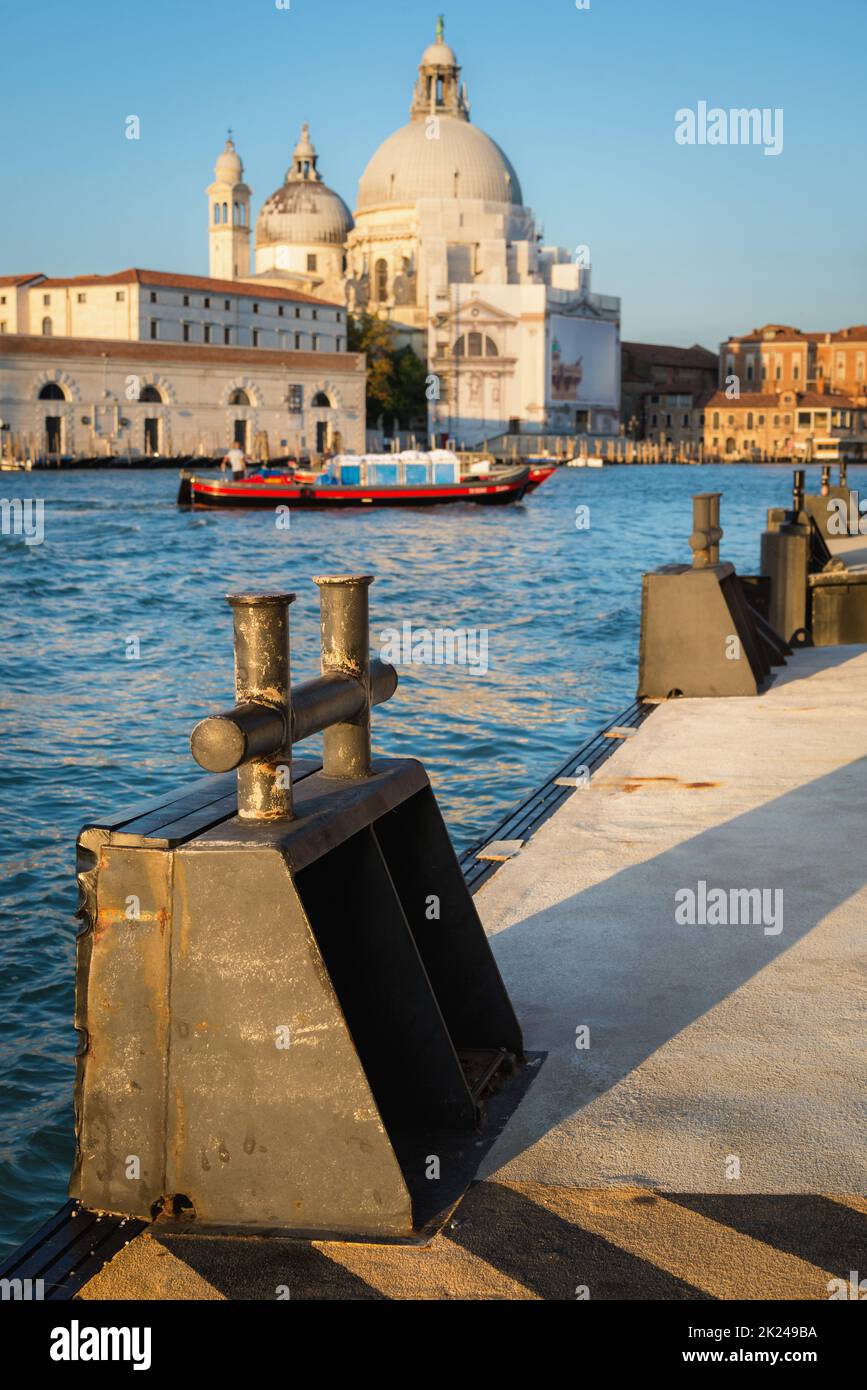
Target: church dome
pixel 462 162
pixel 304 210
pixel 439 154
pixel 439 55
pixel 229 168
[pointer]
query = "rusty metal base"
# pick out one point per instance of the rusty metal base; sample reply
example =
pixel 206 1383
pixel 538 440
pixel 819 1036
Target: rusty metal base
pixel 273 1012
pixel 434 1198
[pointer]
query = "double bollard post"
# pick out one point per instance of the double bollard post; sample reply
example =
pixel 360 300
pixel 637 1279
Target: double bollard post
pixel 257 735
pixel 706 531
pixel 282 1038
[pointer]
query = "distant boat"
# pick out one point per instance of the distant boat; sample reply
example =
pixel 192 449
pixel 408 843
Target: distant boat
pixel 591 461
pixel 15 465
pixel 388 480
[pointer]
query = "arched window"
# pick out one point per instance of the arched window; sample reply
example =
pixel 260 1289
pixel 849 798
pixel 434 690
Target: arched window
pixel 320 399
pixel 491 349
pixel 460 348
pixel 52 392
pixel 381 274
pixel 216 212
pixel 237 213
pixel 225 212
pixel 474 344
pixel 239 397
pixel 47 328
pixel 151 395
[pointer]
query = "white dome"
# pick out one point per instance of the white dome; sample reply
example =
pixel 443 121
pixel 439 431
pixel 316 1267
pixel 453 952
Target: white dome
pixel 409 166
pixel 439 55
pixel 304 210
pixel 304 213
pixel 229 168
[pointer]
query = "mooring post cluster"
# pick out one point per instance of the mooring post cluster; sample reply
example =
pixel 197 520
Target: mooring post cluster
pixel 812 555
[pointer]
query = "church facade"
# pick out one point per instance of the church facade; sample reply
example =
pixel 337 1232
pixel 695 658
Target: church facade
pixel 442 244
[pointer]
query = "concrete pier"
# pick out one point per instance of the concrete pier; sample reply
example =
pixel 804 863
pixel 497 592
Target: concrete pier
pixel 708 1141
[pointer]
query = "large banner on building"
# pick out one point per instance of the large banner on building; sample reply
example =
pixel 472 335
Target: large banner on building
pixel 583 367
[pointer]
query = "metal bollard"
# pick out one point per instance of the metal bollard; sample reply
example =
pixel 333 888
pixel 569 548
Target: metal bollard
pixel 345 630
pixel 843 472
pixel 706 532
pixel 262 685
pixel 798 491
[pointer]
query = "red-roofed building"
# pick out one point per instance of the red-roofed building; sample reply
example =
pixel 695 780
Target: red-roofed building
pixel 782 390
pixel 662 388
pixel 781 358
pixel 14 301
pixel 761 425
pixel 148 363
pixel 158 306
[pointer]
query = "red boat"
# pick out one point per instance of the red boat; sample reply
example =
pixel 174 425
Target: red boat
pixel 540 471
pixel 290 490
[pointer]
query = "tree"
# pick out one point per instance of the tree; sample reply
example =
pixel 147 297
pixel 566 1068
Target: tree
pixel 396 377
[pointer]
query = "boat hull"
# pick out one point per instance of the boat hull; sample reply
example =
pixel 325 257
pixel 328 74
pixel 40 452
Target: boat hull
pixel 205 492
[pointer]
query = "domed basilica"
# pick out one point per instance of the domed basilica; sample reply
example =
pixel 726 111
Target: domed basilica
pixel 442 245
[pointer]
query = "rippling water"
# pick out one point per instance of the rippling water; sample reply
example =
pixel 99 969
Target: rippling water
pixel 87 730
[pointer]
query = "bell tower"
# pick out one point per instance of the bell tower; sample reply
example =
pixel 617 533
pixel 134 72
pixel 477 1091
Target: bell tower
pixel 229 218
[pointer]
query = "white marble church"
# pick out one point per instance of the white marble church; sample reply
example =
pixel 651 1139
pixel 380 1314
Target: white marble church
pixel 442 244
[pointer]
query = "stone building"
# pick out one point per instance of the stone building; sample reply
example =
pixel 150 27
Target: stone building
pixel 157 306
pixel 779 358
pixel 759 425
pixel 664 389
pixel 783 391
pixel 75 398
pixel 217 361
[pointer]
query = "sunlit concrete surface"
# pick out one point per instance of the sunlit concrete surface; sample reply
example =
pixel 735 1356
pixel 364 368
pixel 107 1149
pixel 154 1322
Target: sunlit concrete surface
pixel 718 1048
pixel 530 1241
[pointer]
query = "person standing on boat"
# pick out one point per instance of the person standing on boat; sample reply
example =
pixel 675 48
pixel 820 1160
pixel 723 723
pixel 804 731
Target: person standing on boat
pixel 236 460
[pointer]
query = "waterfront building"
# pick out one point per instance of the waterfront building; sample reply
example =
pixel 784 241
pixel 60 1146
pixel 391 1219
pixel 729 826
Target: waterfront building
pixel 778 358
pixel 783 391
pixel 664 390
pixel 158 306
pixel 443 246
pixel 759 425
pixel 132 399
pixel 219 361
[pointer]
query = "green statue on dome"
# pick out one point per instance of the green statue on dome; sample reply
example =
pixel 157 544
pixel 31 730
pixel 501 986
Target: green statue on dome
pixel 441 28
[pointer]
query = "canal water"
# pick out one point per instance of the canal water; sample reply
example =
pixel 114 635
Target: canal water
pixel 116 639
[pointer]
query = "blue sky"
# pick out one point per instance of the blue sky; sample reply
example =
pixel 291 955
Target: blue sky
pixel 699 242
